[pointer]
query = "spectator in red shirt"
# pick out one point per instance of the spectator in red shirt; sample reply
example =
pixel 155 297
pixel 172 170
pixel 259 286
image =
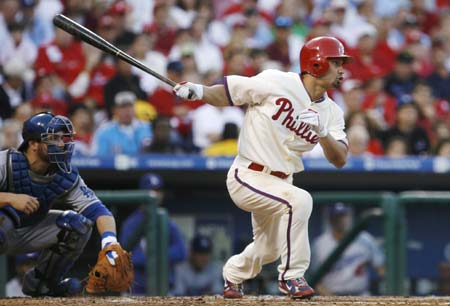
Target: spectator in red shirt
pixel 378 103
pixel 168 104
pixel 426 19
pixel 165 33
pixel 63 57
pixel 45 87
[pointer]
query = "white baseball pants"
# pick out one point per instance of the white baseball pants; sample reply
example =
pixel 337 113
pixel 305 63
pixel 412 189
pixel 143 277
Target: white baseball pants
pixel 280 213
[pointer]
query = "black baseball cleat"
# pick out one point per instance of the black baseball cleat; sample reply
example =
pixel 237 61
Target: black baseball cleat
pixel 36 288
pixel 296 288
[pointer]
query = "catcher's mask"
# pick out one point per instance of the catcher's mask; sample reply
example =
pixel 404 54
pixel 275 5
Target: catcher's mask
pixel 56 132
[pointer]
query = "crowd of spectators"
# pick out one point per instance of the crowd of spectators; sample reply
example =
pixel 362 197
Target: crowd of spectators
pixel 395 96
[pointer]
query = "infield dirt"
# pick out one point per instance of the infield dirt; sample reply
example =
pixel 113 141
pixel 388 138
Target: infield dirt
pixel 218 300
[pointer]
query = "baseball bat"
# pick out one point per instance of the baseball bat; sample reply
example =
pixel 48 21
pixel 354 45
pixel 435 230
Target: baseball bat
pixel 95 40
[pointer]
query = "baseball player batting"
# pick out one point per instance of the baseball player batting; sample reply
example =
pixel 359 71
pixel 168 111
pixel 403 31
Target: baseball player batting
pixel 287 114
pixel 32 179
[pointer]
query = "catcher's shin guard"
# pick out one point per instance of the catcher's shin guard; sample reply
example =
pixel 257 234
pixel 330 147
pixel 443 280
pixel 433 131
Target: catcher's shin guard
pixel 53 264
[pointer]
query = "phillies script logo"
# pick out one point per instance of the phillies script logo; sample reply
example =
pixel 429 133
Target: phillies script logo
pixel 299 128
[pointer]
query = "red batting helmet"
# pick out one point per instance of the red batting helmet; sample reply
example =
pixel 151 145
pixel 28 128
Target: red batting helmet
pixel 314 55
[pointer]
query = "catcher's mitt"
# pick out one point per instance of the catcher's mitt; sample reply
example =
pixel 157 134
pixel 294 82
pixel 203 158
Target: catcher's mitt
pixel 105 277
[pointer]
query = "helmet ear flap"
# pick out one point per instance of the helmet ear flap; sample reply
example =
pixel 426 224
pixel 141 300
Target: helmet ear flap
pixel 319 67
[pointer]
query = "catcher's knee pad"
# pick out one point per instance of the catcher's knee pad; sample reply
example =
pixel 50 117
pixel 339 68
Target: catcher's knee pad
pixel 76 230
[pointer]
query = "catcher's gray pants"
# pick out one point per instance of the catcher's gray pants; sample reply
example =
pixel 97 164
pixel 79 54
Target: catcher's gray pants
pixel 59 248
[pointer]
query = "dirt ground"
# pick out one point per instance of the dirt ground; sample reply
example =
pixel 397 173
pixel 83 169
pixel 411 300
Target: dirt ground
pixel 218 300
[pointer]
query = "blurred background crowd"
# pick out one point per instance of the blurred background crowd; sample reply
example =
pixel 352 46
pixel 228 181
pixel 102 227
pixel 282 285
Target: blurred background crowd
pixel 395 97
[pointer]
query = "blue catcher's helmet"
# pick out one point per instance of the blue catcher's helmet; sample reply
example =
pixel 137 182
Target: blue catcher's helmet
pixel 56 132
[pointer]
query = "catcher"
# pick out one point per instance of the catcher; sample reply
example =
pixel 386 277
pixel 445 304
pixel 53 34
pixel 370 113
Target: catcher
pixel 32 179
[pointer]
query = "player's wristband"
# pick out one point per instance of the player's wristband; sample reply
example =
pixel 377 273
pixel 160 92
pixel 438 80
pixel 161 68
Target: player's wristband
pixel 108 238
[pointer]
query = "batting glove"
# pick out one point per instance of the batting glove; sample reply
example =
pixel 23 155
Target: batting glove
pixel 312 118
pixel 189 91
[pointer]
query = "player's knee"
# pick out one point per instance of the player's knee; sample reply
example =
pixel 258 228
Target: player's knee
pixel 302 204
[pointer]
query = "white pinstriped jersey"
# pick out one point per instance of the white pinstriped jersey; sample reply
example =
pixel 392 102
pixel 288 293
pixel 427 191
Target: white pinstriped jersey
pixel 271 134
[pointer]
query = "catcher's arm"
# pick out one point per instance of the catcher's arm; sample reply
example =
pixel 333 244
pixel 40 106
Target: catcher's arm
pixel 106 226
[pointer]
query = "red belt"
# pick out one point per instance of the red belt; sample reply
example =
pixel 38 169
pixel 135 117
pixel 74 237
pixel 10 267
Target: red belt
pixel 258 167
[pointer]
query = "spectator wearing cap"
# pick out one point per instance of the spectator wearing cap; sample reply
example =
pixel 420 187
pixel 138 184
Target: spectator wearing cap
pixel 401 81
pixel 125 134
pixel 154 184
pixel 168 104
pixel 118 11
pixel 285 46
pixel 199 275
pixel 350 274
pixel 23 263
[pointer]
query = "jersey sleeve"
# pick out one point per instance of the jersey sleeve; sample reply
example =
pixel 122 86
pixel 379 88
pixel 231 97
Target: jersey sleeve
pixel 80 197
pixel 377 255
pixel 3 170
pixel 246 90
pixel 336 127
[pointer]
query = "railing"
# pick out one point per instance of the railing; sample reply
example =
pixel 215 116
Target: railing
pixel 155 229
